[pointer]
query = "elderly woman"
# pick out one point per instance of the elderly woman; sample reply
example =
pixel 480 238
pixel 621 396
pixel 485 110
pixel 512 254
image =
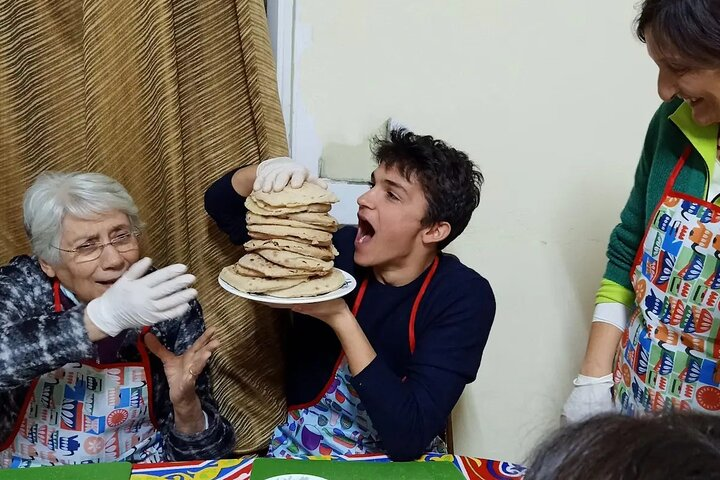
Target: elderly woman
pixel 659 296
pixel 77 384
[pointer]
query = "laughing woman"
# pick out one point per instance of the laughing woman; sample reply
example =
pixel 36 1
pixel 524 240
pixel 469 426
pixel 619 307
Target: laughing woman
pixel 78 318
pixel 659 296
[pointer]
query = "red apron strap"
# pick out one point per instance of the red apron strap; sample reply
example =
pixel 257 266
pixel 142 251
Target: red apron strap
pixel 148 373
pixel 676 171
pixel 666 193
pixel 416 304
pixel 418 299
pixel 359 298
pixel 21 416
pixel 338 362
pixel 56 296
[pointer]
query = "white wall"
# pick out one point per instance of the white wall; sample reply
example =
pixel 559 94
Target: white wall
pixel 551 99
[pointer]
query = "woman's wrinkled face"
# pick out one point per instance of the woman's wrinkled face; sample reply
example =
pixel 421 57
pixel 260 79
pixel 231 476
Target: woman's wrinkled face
pixel 681 77
pixel 78 271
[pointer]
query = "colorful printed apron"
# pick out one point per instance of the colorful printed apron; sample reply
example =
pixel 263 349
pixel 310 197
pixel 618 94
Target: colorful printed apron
pixel 668 357
pixel 336 423
pixel 86 413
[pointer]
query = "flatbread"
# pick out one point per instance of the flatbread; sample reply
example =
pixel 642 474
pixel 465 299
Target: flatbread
pixel 257 285
pixel 265 236
pixel 314 286
pixel 313 218
pixel 261 208
pixel 255 262
pixel 307 194
pixel 247 272
pixel 303 235
pixel 254 219
pixel 293 260
pixel 321 253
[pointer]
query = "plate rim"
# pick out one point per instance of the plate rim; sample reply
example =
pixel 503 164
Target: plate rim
pixel 264 298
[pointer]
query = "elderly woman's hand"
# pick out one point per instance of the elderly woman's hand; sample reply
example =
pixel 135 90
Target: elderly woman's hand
pixel 138 300
pixel 181 372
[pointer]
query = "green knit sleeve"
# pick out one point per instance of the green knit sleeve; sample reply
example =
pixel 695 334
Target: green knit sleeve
pixel 627 235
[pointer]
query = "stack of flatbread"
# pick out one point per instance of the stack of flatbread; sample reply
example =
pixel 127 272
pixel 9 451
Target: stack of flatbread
pixel 290 253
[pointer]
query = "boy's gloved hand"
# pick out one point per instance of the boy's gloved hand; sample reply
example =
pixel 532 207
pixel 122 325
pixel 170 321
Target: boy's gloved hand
pixel 276 173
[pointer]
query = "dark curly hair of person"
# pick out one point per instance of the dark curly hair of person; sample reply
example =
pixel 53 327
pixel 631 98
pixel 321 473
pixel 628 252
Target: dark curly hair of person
pixel 676 446
pixel 450 180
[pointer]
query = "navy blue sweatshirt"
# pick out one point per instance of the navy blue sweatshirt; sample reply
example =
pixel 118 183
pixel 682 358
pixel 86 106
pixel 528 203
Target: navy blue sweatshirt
pixel 408 396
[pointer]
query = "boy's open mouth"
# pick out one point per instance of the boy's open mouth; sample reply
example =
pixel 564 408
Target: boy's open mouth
pixel 365 231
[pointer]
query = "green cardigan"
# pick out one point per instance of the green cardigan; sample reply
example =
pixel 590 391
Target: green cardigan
pixel 671 130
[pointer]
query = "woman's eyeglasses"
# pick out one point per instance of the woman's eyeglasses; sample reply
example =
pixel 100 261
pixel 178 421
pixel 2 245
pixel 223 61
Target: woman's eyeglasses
pixel 89 251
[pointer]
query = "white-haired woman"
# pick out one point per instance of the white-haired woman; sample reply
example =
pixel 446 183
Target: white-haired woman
pixel 78 317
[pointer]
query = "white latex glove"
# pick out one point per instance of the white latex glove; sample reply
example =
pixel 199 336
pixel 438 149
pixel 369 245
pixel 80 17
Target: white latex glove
pixel 276 173
pixel 590 396
pixel 136 301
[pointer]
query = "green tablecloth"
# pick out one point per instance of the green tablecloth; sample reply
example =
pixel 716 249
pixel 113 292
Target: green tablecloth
pixel 264 468
pixel 95 471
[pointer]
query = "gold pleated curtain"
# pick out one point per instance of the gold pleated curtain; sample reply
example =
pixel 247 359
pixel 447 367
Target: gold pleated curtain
pixel 165 96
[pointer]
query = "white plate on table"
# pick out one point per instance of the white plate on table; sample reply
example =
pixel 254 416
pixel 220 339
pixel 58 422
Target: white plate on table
pixel 346 288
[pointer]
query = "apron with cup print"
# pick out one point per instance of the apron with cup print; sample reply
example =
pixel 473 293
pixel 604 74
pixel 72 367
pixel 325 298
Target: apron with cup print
pixel 86 413
pixel 668 356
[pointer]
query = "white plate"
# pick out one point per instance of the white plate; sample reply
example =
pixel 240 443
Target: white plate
pixel 346 288
pixel 296 476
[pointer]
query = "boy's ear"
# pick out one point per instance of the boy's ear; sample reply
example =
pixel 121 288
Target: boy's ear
pixel 436 233
pixel 47 268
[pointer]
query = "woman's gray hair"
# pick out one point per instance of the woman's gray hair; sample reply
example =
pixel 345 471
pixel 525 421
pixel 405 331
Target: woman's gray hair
pixel 54 195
